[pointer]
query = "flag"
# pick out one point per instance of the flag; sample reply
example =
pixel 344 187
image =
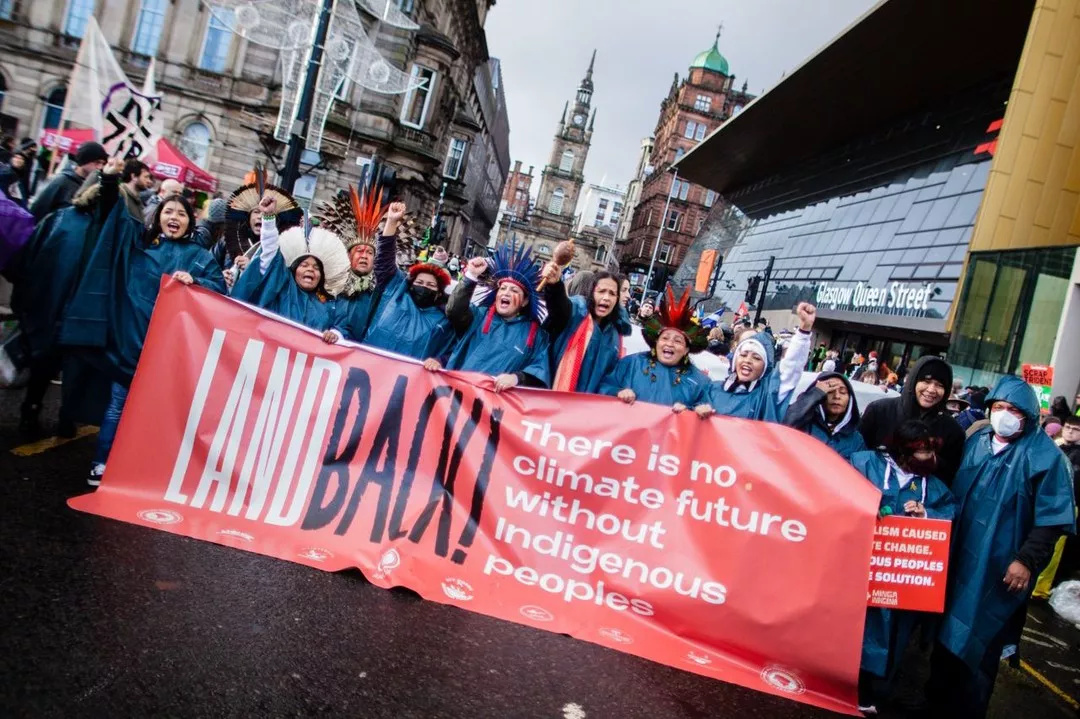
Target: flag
pixel 743 310
pixel 101 98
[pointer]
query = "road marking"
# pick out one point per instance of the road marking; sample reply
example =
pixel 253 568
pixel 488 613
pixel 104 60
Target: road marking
pixel 43 445
pixel 1044 635
pixel 1064 667
pixel 1050 685
pixel 573 711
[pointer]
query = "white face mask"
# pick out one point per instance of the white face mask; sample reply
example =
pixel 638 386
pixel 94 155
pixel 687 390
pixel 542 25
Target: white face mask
pixel 1005 423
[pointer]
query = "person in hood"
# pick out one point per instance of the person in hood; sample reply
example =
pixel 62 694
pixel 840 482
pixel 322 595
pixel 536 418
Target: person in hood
pixel 499 328
pixel 904 473
pixel 924 397
pixel 827 411
pixel 296 274
pixel 58 193
pixel 112 306
pixel 587 331
pixel 1015 494
pixel 409 319
pixel 210 233
pixel 15 175
pixel 665 375
pixel 1059 408
pixel 757 386
pixel 976 410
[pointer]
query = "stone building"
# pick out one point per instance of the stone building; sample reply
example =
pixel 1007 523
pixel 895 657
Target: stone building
pixel 553 218
pixel 693 108
pixel 516 203
pixel 633 191
pixel 222 92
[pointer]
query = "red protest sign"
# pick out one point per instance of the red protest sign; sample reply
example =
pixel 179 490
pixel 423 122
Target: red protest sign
pixel 910 564
pixel 728 548
pixel 1039 374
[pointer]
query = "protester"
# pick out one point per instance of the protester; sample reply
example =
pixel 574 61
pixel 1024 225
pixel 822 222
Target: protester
pixel 1059 408
pixel 577 286
pixel 624 293
pixel 355 218
pixel 168 188
pixel 296 274
pixel 975 411
pixel 15 175
pixel 210 232
pixel 58 193
pixel 719 342
pixel 499 332
pixel 410 319
pixel 817 358
pixel 1070 446
pixel 665 375
pixel 923 398
pixel 827 411
pixel 956 406
pixel 243 220
pixel 758 387
pixel 1015 498
pixel 134 179
pixel 904 473
pixel 113 303
pixel 586 330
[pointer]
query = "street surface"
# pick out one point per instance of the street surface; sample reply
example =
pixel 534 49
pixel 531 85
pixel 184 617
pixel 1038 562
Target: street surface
pixel 106 619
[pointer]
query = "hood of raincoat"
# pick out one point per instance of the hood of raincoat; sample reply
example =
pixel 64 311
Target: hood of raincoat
pixel 1019 394
pixel 850 422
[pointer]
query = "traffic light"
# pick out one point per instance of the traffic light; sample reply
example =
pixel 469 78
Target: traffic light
pixel 752 286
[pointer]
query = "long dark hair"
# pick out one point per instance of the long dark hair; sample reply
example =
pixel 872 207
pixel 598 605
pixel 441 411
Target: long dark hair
pixel 596 278
pixel 153 230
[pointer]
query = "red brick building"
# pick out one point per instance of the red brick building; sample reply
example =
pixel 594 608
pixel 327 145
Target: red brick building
pixel 516 193
pixel 693 108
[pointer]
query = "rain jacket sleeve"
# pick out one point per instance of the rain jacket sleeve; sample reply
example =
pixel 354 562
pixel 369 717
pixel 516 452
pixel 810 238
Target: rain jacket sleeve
pixel 618 379
pixel 558 306
pixel 800 414
pixel 791 365
pixel 385 260
pixel 458 307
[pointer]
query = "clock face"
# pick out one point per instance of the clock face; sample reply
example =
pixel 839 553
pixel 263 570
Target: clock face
pixel 578 119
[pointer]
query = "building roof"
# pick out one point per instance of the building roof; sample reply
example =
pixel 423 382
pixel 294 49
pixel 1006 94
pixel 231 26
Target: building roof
pixel 899 57
pixel 711 59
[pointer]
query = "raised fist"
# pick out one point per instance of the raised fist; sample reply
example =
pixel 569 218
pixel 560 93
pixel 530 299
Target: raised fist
pixel 395 212
pixel 268 204
pixel 807 314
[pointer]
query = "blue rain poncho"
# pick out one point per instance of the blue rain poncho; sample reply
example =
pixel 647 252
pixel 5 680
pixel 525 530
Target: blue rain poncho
pixel 604 348
pixel 807 414
pixel 657 383
pixel 888 631
pixel 1002 498
pixel 766 398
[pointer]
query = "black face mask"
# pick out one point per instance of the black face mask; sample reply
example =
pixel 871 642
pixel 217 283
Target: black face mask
pixel 424 297
pixel 921 467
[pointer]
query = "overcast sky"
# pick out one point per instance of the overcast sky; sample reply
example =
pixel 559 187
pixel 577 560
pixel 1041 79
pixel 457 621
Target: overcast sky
pixel 640 45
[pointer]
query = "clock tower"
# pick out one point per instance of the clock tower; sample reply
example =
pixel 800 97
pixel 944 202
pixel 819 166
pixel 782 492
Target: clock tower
pixel 564 174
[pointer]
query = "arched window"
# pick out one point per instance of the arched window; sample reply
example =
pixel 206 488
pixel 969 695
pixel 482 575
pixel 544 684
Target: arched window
pixel 195 143
pixel 54 108
pixel 567 162
pixel 555 204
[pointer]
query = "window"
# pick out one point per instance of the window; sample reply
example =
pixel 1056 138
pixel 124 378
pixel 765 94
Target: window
pixel 414 108
pixel 673 218
pixel 304 190
pixel 601 210
pixel 566 163
pixel 601 253
pixel 700 134
pixel 195 143
pixel 679 152
pixel 54 108
pixel 703 103
pixel 710 198
pixel 691 128
pixel 680 189
pixel 6 6
pixel 406 6
pixel 148 28
pixel 616 213
pixel 455 157
pixel 665 253
pixel 78 14
pixel 215 49
pixel 556 201
pixel 543 249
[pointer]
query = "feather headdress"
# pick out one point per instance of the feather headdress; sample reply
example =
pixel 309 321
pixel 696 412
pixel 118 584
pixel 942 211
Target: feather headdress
pixel 677 316
pixel 244 200
pixel 514 264
pixel 306 240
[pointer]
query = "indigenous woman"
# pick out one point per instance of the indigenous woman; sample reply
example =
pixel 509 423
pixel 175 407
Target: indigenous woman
pixel 243 219
pixel 758 388
pixel 355 218
pixel 587 332
pixel 296 274
pixel 904 473
pixel 112 306
pixel 664 375
pixel 410 319
pixel 499 325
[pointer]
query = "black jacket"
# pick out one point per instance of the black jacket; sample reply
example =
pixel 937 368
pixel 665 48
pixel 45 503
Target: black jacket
pixel 805 415
pixel 882 418
pixel 57 194
pixel 15 185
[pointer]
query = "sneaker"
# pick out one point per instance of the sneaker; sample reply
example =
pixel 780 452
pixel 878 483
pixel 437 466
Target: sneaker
pixel 96 473
pixel 869 710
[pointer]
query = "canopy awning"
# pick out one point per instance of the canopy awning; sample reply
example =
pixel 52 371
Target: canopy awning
pixel 167 162
pixel 67 141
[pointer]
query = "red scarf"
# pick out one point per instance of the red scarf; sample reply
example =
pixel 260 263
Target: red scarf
pixel 569 371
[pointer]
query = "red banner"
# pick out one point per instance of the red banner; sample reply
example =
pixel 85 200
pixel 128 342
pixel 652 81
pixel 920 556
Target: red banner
pixel 733 549
pixel 910 564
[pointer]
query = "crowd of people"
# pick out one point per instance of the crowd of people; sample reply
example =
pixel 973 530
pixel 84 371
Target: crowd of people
pixel 99 240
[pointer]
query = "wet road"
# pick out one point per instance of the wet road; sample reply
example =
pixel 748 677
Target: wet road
pixel 103 618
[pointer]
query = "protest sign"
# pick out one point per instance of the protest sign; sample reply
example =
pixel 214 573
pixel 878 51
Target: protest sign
pixel 733 549
pixel 910 564
pixel 1041 379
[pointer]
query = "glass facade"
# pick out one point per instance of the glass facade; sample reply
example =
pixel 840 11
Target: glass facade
pixel 1009 313
pixel 874 233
